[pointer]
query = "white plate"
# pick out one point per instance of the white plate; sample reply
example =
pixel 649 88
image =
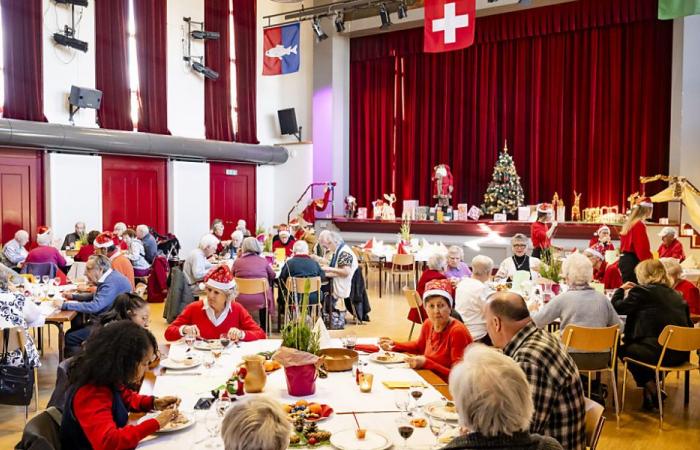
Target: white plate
pixel 169 428
pixel 204 345
pixel 395 358
pixel 347 440
pixel 437 410
pixel 180 365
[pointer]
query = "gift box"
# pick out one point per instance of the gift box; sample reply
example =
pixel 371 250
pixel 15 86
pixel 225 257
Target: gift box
pixel 561 214
pixel 410 209
pixel 500 217
pixel 361 213
pixel 463 212
pixel 524 213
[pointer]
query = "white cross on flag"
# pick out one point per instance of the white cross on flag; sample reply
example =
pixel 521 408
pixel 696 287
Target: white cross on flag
pixel 449 25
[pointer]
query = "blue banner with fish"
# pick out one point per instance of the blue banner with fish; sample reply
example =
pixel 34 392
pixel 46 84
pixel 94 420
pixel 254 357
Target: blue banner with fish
pixel 281 49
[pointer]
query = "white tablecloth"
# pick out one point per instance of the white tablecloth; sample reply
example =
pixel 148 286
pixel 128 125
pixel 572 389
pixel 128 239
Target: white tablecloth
pixel 338 390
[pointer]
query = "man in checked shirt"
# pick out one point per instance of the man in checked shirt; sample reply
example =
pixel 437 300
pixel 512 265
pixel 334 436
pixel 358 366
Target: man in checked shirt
pixel 556 385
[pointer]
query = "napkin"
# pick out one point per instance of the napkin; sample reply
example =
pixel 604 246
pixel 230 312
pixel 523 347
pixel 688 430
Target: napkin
pixel 402 384
pixel 369 348
pixel 518 278
pixel 323 334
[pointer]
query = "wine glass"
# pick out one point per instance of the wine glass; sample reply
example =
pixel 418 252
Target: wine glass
pixel 405 429
pixel 350 341
pixel 224 340
pixel 189 340
pixel 45 279
pixel 222 404
pixel 437 427
pixel 401 401
pixel 216 349
pixel 208 361
pixel 416 392
pixel 212 422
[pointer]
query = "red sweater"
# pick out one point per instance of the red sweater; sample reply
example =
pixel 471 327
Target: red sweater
pixel 609 275
pixel 92 406
pixel 84 253
pixel 602 248
pixel 441 350
pixel 277 243
pixel 538 235
pixel 675 250
pixel 194 314
pixel 691 294
pixel 636 241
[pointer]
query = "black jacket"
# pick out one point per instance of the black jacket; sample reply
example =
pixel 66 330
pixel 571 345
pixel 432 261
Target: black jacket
pixel 649 309
pixel 521 440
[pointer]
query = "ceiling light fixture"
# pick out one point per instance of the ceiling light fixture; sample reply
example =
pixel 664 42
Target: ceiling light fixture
pixel 318 31
pixel 340 22
pixel 384 17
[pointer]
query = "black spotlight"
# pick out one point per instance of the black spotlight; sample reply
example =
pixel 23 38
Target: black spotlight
pixel 69 41
pixel 402 12
pixel 340 22
pixel 384 16
pixel 202 34
pixel 83 3
pixel 204 70
pixel 318 31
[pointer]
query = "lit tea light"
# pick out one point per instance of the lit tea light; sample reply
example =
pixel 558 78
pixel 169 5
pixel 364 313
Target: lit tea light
pixel 366 382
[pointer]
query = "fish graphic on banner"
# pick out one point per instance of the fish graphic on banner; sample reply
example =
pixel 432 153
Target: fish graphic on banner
pixel 281 49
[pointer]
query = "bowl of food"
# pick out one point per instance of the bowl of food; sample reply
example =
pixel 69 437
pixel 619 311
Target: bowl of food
pixel 338 359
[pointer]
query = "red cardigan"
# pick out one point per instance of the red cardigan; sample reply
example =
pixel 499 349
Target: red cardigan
pixel 538 235
pixel 441 350
pixel 194 314
pixel 609 275
pixel 691 294
pixel 636 241
pixel 675 250
pixel 92 407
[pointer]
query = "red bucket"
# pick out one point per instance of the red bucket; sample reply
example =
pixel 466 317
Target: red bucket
pixel 301 380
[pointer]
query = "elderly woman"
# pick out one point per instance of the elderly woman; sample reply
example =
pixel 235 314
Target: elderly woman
pixel 96 412
pixel 494 403
pixel 18 311
pixel 283 240
pixel 437 265
pixel 14 252
pixel 87 250
pixel 45 252
pixel 243 228
pixel 217 229
pixel 649 307
pixel 119 229
pixel 218 314
pixel 456 267
pixel 234 245
pixel 608 274
pixel 342 265
pixel 519 261
pixel 670 246
pixel 470 298
pixel 688 290
pixel 251 265
pixel 442 338
pixel 601 240
pixel 256 424
pixel 197 263
pixel 136 253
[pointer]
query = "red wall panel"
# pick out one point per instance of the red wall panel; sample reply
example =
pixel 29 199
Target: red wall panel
pixel 134 191
pixel 21 192
pixel 232 195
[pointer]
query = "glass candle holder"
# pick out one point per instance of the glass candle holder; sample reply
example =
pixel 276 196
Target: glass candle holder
pixel 366 382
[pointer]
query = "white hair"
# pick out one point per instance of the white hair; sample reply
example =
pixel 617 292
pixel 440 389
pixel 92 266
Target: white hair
pixel 491 392
pixel 251 245
pixel 518 237
pixel 120 226
pixel 577 270
pixel 301 247
pixel 256 424
pixel 456 249
pixel 21 236
pixel 208 241
pixel 482 265
pixel 143 229
pixel 44 239
pixel 330 236
pixel 437 261
pixel 237 236
pixel 666 231
pixel 673 267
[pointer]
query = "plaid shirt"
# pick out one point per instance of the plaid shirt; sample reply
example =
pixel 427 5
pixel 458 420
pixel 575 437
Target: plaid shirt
pixel 556 386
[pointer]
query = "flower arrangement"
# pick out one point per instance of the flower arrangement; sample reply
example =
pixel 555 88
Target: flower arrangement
pixel 298 333
pixel 405 230
pixel 551 266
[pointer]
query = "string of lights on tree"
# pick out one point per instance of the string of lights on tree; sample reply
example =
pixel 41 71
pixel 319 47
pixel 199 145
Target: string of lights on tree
pixel 504 193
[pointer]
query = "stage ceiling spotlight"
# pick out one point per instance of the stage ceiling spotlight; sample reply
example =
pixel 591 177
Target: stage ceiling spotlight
pixel 402 12
pixel 202 34
pixel 318 31
pixel 83 3
pixel 384 16
pixel 204 70
pixel 70 41
pixel 340 22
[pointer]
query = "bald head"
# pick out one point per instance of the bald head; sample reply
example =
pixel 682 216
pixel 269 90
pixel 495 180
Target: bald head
pixel 506 313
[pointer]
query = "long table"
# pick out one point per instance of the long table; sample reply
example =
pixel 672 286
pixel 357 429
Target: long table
pixel 375 411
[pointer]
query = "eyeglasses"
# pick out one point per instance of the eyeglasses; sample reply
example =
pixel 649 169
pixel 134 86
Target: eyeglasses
pixel 519 245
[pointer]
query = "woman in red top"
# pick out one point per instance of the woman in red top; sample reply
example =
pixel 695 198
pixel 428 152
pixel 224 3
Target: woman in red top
pixel 540 233
pixel 670 246
pixel 218 314
pixel 601 240
pixel 634 242
pixel 283 240
pixel 688 290
pixel 88 249
pixel 442 338
pixel 609 275
pixel 97 409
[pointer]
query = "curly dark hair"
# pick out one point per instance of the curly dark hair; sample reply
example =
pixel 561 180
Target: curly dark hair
pixel 111 356
pixel 123 304
pixel 92 236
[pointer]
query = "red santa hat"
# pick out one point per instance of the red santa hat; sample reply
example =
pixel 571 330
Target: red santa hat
pixel 294 222
pixel 594 252
pixel 601 229
pixel 545 208
pixel 104 240
pixel 441 288
pixel 645 201
pixel 220 277
pixel 43 229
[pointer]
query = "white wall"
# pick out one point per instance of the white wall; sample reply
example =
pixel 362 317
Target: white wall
pixel 73 192
pixel 188 202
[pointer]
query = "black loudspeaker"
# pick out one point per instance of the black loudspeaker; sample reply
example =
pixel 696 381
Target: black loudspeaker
pixel 85 97
pixel 288 121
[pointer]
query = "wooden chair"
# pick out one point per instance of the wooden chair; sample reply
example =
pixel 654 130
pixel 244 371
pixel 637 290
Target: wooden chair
pixel 251 286
pixel 372 265
pixel 414 301
pixel 296 287
pixel 596 340
pixel 672 337
pixel 403 265
pixel 594 423
pixel 17 340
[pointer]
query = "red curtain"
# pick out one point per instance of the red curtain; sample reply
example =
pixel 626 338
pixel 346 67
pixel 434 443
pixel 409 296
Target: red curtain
pixel 580 90
pixel 112 64
pixel 244 29
pixel 22 36
pixel 217 56
pixel 151 48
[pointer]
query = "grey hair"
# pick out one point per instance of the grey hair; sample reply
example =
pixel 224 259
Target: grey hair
pixel 143 229
pixel 456 249
pixel 437 261
pixel 256 424
pixel 518 237
pixel 22 236
pixel 120 226
pixel 237 236
pixel 673 267
pixel 577 270
pixel 482 265
pixel 208 241
pixel 301 247
pixel 491 392
pixel 666 231
pixel 44 239
pixel 102 262
pixel 330 236
pixel 251 245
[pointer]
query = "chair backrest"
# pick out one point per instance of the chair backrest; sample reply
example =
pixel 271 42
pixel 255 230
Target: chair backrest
pixel 683 339
pixel 40 269
pixel 412 298
pixel 252 285
pixel 43 431
pixel 16 339
pixel 594 423
pixel 77 270
pixel 590 339
pixel 298 284
pixel 402 260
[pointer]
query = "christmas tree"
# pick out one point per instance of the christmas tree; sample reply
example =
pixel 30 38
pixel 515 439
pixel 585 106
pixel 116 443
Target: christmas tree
pixel 504 193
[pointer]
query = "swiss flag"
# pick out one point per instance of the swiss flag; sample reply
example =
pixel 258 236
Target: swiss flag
pixel 449 25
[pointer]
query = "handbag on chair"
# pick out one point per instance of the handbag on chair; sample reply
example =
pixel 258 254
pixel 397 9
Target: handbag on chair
pixel 16 382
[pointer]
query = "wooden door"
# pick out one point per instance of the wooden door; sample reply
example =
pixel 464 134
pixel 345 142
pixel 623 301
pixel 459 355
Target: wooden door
pixel 21 192
pixel 134 191
pixel 232 195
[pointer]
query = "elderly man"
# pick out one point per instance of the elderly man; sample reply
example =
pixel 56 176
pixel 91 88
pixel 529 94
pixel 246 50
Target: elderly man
pixel 670 246
pixel 299 266
pixel 105 245
pixel 76 236
pixel 14 252
pixel 688 290
pixel 470 298
pixel 197 264
pixel 149 242
pixel 520 261
pixel 556 387
pixel 456 267
pixel 608 274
